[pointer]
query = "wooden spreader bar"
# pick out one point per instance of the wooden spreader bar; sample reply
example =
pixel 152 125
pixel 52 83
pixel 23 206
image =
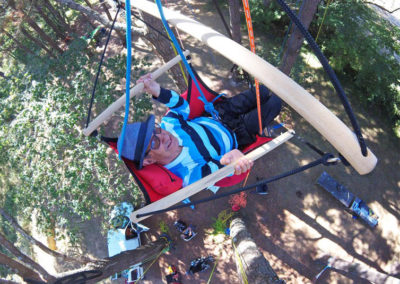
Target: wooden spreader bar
pixel 136 90
pixel 209 180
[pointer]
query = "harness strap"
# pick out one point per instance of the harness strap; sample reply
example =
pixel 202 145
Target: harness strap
pixel 213 112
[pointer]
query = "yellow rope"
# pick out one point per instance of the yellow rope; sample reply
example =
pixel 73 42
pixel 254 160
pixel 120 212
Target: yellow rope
pixel 242 272
pixel 212 271
pixel 323 19
pixel 319 30
pixel 147 269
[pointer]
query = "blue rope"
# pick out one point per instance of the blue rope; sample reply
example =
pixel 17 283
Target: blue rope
pixel 128 72
pixel 209 107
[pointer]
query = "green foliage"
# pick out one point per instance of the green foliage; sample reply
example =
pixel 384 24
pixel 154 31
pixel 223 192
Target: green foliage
pixel 48 168
pixel 220 224
pixel 266 17
pixel 163 227
pixel 362 47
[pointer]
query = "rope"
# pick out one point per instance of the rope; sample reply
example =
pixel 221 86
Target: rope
pixel 289 28
pixel 176 53
pixel 128 72
pixel 212 271
pixel 323 20
pixel 222 18
pixel 242 272
pixel 207 105
pixel 253 49
pixel 151 264
pixel 98 70
pixel 328 69
pixel 323 160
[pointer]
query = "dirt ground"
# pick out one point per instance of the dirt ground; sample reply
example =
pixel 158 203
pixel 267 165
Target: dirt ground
pixel 298 225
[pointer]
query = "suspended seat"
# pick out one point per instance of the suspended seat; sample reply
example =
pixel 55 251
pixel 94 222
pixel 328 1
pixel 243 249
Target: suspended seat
pixel 154 180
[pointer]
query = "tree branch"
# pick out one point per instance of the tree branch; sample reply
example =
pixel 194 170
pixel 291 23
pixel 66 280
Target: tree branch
pixel 22 270
pixel 17 227
pixel 381 7
pixel 25 259
pixel 95 16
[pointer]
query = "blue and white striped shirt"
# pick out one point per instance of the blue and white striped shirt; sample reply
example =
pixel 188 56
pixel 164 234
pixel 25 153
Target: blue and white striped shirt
pixel 204 140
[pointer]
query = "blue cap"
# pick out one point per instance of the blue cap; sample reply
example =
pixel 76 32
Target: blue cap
pixel 136 140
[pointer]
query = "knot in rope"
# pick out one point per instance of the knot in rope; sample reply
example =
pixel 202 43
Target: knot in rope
pixel 329 159
pixel 209 107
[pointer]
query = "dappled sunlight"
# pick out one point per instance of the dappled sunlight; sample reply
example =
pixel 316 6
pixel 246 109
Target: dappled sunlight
pixel 388 227
pixel 311 60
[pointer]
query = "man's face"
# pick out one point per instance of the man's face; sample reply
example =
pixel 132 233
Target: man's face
pixel 163 148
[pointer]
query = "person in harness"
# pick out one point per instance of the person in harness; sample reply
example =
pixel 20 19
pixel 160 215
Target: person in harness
pixel 193 149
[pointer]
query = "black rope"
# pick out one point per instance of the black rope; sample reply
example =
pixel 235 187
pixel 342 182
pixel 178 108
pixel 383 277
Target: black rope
pixel 331 75
pixel 323 160
pixel 223 19
pixel 311 146
pixel 98 70
pixel 152 27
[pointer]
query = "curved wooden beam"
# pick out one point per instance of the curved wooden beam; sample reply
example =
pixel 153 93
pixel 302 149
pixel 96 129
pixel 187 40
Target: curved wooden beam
pixel 321 118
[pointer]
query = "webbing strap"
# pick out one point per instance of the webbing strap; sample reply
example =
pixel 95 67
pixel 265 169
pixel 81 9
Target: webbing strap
pixel 253 49
pixel 207 105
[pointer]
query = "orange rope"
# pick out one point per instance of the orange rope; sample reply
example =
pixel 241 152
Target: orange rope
pixel 253 49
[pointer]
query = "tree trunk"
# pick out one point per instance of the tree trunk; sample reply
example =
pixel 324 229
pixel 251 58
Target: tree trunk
pixel 99 269
pixel 88 3
pixel 91 14
pixel 25 259
pixel 249 260
pixel 42 34
pixel 234 16
pixel 162 46
pixel 82 259
pixel 35 40
pixel 61 34
pixel 120 35
pixel 57 15
pixel 111 265
pixel 19 44
pixel 20 269
pixel 296 37
pixel 163 49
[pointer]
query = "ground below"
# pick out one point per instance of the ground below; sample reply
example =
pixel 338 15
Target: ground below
pixel 298 225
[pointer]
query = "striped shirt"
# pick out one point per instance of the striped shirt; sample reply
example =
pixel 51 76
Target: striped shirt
pixel 204 140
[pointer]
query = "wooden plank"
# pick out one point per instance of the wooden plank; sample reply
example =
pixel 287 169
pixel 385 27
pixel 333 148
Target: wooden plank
pixel 321 118
pixel 208 180
pixel 136 90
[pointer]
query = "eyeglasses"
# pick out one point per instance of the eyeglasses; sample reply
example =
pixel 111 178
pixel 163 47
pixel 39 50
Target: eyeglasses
pixel 154 141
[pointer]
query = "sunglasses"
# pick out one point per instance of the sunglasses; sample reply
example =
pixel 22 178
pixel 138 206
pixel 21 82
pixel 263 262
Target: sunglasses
pixel 154 141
